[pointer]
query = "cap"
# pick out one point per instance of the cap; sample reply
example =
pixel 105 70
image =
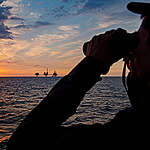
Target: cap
pixel 139 8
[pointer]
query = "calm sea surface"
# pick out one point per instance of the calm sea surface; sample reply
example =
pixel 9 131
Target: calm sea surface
pixel 18 96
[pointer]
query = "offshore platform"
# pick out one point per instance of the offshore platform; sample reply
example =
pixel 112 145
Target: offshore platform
pixel 46 74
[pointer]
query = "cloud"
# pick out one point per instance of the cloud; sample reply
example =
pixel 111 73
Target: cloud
pixel 8 61
pixel 42 23
pixel 22 26
pixel 20 54
pixel 96 5
pixel 122 15
pixel 91 6
pixel 4 33
pixel 37 24
pixel 103 25
pixel 116 18
pixel 10 48
pixel 65 1
pixel 68 28
pixel 16 18
pixel 52 50
pixel 67 8
pixel 70 54
pixel 4 14
pixel 54 53
pixel 60 46
pixel 46 45
pixel 79 7
pixel 62 33
pixel 1 1
pixel 15 22
pixel 12 3
pixel 60 11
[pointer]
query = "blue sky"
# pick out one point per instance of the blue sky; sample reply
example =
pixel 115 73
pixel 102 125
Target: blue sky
pixel 40 34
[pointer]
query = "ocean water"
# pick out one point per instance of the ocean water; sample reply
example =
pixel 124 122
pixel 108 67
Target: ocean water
pixel 19 95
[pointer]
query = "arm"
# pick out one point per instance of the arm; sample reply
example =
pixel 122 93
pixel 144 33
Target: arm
pixel 57 106
pixel 67 94
pixel 65 97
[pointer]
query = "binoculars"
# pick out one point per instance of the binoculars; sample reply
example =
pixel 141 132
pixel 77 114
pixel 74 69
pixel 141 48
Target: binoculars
pixel 124 44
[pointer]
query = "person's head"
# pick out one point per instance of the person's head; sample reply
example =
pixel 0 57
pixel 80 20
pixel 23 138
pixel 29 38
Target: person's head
pixel 139 64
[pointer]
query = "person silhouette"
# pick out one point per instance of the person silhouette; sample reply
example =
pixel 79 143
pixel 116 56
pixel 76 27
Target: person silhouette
pixel 41 129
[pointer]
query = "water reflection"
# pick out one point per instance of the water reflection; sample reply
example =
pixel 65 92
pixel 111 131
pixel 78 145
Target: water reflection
pixel 18 96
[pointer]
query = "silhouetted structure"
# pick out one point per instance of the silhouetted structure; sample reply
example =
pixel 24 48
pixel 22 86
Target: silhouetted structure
pixel 46 73
pixel 54 74
pixel 37 74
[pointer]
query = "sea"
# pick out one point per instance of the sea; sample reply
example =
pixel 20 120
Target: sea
pixel 19 95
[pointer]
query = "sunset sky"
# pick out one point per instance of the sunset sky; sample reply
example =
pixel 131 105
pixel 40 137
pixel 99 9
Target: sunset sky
pixel 40 34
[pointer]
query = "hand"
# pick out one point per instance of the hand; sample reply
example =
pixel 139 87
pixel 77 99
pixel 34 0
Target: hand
pixel 109 47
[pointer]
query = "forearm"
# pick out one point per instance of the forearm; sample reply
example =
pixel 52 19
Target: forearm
pixel 67 94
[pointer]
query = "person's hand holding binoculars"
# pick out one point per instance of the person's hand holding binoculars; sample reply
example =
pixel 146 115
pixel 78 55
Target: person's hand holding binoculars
pixel 111 46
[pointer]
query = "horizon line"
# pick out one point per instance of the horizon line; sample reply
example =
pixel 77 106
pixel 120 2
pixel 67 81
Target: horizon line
pixel 50 76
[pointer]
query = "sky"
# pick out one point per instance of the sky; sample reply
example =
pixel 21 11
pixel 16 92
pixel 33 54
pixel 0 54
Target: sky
pixel 40 34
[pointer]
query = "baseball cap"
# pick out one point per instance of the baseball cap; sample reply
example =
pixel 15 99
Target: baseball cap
pixel 139 8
